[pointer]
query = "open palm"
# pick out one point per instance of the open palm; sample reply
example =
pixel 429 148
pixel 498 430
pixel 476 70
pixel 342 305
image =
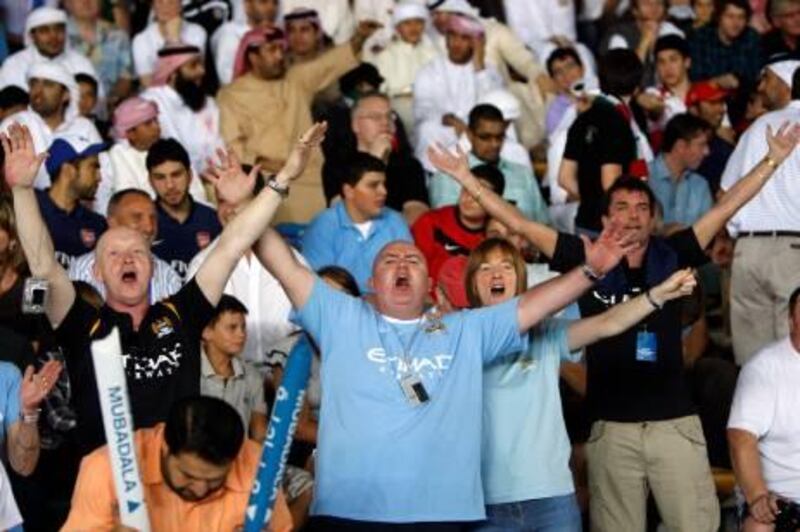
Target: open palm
pixel 21 161
pixel 298 158
pixel 231 183
pixel 36 386
pixel 782 142
pixel 447 162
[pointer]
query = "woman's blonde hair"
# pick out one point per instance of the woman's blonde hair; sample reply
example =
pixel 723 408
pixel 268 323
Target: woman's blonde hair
pixel 481 254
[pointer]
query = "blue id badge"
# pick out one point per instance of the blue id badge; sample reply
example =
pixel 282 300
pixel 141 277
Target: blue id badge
pixel 646 346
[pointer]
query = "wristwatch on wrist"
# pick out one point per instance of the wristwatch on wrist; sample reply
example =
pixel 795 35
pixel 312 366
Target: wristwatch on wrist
pixel 32 417
pixel 590 273
pixel 282 190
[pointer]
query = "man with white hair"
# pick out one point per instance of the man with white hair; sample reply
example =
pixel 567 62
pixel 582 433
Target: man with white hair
pixel 768 227
pixel 45 41
pixel 409 50
pixel 53 110
pixel 160 342
pixel 447 88
pixel 186 113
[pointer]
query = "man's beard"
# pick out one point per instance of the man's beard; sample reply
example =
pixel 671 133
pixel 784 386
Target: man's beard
pixel 192 94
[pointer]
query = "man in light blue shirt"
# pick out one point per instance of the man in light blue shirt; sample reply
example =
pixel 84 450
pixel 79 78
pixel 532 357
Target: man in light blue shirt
pixel 486 133
pixel 400 422
pixel 683 194
pixel 352 232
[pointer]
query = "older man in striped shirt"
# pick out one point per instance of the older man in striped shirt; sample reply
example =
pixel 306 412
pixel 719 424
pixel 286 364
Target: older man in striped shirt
pixel 135 209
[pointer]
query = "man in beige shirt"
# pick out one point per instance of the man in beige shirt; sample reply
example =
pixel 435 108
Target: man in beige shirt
pixel 268 105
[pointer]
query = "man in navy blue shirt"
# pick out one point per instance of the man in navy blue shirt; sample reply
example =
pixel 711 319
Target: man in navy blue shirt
pixel 184 226
pixel 74 170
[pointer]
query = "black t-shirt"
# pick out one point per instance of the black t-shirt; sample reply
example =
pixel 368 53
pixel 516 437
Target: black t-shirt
pixel 162 358
pixel 598 136
pixel 620 387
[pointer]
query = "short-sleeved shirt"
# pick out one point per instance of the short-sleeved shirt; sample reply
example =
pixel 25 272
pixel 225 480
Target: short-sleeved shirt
pixel 439 234
pixel 244 390
pixel 94 502
pixel 526 448
pixel 74 233
pixel 161 358
pixel 10 381
pixel 381 458
pixel 179 242
pixel 333 239
pixel 599 136
pixel 621 387
pixel 684 200
pixel 766 403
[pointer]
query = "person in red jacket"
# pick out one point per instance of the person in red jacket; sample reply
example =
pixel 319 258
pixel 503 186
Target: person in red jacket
pixel 455 229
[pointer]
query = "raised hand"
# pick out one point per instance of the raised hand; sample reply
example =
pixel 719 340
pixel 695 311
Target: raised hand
pixel 444 160
pixel 22 163
pixel 230 182
pixel 782 143
pixel 298 158
pixel 679 284
pixel 36 386
pixel 604 254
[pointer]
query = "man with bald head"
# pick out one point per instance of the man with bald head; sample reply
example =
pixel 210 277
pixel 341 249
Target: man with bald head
pixel 160 342
pixel 403 387
pixel 132 208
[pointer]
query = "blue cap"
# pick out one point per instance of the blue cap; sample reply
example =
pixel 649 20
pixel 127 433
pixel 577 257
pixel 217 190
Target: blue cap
pixel 68 148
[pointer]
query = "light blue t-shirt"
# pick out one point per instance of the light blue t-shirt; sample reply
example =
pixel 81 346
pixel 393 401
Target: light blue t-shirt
pixel 333 239
pixel 526 449
pixel 684 201
pixel 10 381
pixel 380 458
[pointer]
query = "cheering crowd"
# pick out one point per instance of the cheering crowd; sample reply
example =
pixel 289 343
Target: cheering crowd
pixel 544 258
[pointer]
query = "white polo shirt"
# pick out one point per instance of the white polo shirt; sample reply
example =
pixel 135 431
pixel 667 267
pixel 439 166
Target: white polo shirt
pixel 777 206
pixel 766 404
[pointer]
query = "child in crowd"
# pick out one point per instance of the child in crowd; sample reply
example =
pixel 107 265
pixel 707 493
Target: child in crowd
pixel 224 374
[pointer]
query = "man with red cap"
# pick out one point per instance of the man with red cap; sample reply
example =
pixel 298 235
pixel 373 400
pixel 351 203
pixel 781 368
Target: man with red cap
pixel 268 105
pixel 707 100
pixel 186 114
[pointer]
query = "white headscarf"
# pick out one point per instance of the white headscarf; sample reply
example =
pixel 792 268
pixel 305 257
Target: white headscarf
pixel 408 11
pixel 42 16
pixel 55 72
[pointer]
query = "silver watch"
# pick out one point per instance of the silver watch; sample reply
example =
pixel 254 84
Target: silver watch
pixel 282 190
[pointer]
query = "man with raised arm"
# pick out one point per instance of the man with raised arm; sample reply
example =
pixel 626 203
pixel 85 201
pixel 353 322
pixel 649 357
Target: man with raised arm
pixel 399 437
pixel 160 342
pixel 636 386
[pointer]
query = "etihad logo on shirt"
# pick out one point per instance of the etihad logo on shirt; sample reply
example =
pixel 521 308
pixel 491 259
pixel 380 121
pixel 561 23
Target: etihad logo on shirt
pixel 424 367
